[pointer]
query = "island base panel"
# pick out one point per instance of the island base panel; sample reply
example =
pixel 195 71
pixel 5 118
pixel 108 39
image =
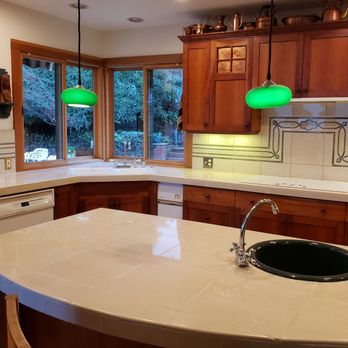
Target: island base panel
pixel 44 331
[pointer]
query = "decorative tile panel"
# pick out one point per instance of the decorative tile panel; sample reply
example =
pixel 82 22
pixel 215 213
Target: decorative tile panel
pixel 273 148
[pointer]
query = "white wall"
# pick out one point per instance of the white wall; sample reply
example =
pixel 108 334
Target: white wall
pixel 142 41
pixel 23 24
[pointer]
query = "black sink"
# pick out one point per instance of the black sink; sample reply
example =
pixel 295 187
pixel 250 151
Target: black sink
pixel 300 259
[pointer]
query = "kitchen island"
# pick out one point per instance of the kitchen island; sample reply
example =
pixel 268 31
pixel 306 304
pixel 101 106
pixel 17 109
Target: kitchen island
pixel 165 282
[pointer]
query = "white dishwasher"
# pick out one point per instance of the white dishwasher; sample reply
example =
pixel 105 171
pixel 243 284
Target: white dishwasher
pixel 169 200
pixel 27 209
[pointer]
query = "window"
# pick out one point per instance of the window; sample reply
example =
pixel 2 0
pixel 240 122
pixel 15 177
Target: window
pixel 47 132
pixel 164 90
pixel 128 113
pixel 145 104
pixel 42 110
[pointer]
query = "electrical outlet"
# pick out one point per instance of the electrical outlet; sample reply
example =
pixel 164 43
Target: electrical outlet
pixel 8 163
pixel 208 162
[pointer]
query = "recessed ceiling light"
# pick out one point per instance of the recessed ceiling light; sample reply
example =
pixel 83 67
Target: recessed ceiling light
pixel 76 5
pixel 135 19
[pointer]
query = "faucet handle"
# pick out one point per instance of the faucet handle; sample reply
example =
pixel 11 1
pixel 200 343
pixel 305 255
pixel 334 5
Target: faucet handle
pixel 235 247
pixel 242 257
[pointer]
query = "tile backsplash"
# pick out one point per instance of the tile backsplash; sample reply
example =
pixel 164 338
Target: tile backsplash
pixel 299 140
pixel 7 149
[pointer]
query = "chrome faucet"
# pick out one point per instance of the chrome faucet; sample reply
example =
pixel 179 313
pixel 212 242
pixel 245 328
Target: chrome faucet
pixel 242 257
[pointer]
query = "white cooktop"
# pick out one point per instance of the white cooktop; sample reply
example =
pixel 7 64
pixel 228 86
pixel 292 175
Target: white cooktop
pixel 299 183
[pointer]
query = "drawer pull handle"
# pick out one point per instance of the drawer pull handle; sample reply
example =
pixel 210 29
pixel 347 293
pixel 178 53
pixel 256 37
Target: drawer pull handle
pixel 207 195
pixel 252 202
pixel 298 93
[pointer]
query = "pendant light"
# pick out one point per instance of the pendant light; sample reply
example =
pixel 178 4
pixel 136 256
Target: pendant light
pixel 79 96
pixel 269 95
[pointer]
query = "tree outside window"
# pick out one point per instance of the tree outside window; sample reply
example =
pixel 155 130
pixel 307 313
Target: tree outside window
pixel 43 112
pixel 164 90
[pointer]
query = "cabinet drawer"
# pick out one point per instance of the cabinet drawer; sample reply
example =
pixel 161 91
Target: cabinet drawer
pixel 208 195
pixel 294 206
pixel 212 214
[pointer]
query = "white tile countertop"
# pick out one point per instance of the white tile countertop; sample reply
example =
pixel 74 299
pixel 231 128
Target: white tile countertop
pixel 99 171
pixel 166 282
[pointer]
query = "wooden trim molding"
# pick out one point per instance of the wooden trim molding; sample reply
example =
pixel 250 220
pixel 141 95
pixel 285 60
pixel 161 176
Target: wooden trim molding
pixel 144 60
pixel 50 52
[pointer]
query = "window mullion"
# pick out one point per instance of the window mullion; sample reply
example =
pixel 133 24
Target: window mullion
pixel 146 109
pixel 64 125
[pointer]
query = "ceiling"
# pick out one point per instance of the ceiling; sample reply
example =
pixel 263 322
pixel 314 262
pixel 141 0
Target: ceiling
pixel 112 14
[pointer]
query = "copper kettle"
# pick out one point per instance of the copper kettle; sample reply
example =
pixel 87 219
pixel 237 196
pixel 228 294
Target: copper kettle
pixel 264 19
pixel 333 11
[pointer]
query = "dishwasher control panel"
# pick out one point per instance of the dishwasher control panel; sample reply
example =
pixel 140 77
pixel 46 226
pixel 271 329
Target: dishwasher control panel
pixel 26 202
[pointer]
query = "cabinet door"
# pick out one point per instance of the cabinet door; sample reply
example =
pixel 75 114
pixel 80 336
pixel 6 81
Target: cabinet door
pixel 214 206
pixel 138 197
pixel 299 217
pixel 65 201
pixel 263 220
pixel 231 80
pixel 208 213
pixel 196 90
pixel 315 229
pixel 93 202
pixel 325 67
pixel 138 203
pixel 286 67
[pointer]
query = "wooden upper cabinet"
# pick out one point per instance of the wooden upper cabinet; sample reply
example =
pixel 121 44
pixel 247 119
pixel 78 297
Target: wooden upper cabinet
pixel 286 68
pixel 231 79
pixel 325 67
pixel 196 86
pixel 220 68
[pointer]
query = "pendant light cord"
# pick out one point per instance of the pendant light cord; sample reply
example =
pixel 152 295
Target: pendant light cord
pixel 270 44
pixel 79 40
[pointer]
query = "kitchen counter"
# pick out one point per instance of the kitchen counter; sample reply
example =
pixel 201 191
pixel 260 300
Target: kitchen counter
pixel 98 171
pixel 166 282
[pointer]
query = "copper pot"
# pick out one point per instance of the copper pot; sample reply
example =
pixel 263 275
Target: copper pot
pixel 303 19
pixel 333 12
pixel 264 19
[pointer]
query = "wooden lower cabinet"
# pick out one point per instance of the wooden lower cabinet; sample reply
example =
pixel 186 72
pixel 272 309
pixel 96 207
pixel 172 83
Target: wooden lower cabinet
pixel 212 214
pixel 65 201
pixel 138 197
pixel 209 205
pixel 299 217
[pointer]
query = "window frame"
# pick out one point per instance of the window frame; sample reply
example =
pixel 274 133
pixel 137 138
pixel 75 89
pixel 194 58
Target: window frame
pixel 144 63
pixel 21 50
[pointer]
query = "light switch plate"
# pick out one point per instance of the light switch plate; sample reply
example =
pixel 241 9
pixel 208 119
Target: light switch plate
pixel 208 162
pixel 8 163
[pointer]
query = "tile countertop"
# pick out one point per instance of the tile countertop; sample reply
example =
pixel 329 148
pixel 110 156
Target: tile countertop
pixel 99 171
pixel 166 282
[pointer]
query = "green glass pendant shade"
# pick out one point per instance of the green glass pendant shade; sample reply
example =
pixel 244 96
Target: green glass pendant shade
pixel 269 95
pixel 79 97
